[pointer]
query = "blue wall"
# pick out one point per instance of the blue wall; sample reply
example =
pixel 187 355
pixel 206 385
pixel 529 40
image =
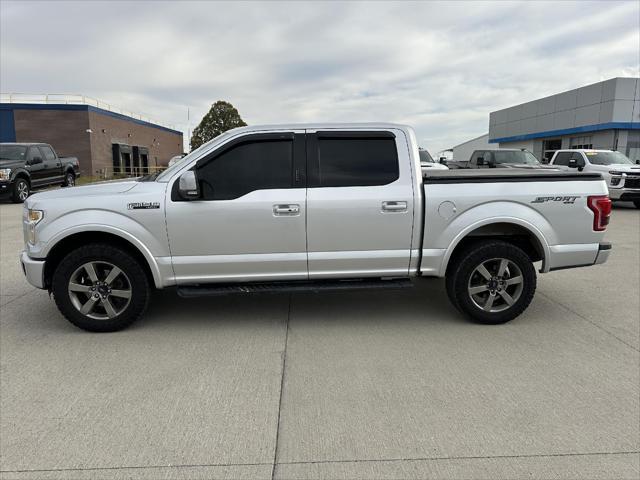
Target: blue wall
pixel 7 126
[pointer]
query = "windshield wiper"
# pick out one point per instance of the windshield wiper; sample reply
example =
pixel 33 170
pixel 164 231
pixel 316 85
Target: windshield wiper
pixel 149 177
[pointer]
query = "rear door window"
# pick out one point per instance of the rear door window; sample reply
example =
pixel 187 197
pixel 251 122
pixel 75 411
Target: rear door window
pixel 47 153
pixel 354 160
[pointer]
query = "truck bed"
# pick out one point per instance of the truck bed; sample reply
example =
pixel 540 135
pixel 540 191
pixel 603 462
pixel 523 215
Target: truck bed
pixel 505 175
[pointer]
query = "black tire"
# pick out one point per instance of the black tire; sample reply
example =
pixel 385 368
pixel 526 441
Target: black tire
pixel 21 190
pixel 132 276
pixel 69 179
pixel 636 203
pixel 464 272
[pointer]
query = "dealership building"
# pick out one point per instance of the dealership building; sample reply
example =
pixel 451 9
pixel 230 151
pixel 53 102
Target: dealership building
pixel 107 141
pixel 604 115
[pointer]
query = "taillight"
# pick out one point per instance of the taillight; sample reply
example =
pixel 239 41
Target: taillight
pixel 600 205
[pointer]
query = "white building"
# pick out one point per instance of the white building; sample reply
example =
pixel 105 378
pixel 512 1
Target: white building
pixel 604 115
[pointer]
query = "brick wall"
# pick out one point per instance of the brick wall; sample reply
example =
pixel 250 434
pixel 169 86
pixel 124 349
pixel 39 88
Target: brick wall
pixel 65 130
pixel 107 130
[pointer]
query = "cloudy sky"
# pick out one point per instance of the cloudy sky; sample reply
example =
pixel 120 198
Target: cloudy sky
pixel 439 66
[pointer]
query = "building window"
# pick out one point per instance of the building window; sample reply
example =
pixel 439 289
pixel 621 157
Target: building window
pixel 633 146
pixel 583 143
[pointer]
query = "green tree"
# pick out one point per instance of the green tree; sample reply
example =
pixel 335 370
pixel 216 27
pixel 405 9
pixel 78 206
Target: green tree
pixel 221 117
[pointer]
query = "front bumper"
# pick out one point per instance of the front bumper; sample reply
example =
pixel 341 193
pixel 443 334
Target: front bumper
pixel 33 269
pixel 6 189
pixel 629 196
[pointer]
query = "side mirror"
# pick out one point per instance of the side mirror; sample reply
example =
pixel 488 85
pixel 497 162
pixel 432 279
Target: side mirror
pixel 35 161
pixel 188 187
pixel 480 161
pixel 638 161
pixel 573 163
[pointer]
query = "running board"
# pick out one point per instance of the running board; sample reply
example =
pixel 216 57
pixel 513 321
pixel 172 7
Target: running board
pixel 303 286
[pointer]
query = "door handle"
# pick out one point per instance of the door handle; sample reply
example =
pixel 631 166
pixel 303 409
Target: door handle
pixel 286 210
pixel 394 206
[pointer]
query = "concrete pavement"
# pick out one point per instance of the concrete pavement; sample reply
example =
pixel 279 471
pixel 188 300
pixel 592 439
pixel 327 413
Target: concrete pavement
pixel 390 384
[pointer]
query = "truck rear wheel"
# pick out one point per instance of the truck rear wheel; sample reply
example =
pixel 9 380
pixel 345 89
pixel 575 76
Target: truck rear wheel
pixel 69 179
pixel 100 288
pixel 492 282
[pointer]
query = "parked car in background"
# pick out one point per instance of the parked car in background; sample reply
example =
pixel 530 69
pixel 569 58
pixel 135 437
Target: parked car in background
pixel 28 166
pixel 311 208
pixel 621 174
pixel 175 159
pixel 503 158
pixel 428 163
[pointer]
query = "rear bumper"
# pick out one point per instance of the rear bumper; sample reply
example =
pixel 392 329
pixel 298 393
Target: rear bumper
pixel 577 255
pixel 33 269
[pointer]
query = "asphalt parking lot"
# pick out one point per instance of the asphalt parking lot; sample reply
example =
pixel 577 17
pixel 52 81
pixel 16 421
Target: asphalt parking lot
pixel 342 385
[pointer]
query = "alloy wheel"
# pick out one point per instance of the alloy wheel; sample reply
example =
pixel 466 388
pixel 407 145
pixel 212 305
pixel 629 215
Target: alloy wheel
pixel 23 190
pixel 100 290
pixel 495 285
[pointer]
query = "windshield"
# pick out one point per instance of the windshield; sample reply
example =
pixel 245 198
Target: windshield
pixel 607 158
pixel 12 152
pixel 515 157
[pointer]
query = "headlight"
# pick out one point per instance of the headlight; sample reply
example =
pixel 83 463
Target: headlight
pixel 35 215
pixel 33 218
pixel 5 173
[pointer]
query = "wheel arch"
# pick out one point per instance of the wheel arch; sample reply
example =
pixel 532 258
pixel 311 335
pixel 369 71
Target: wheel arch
pixel 513 230
pixel 114 237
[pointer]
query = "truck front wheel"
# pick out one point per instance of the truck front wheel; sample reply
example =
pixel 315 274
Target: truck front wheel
pixel 100 288
pixel 492 282
pixel 21 190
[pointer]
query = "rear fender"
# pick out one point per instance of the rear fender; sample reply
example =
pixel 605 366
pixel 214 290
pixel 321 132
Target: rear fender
pixel 495 213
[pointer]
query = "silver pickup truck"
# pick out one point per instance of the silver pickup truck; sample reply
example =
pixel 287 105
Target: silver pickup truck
pixel 310 208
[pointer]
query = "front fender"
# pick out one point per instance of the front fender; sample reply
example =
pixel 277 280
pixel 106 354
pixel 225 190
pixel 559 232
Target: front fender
pixel 150 240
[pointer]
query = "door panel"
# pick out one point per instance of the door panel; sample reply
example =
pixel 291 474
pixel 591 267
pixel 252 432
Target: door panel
pixel 52 166
pixel 37 170
pixel 234 235
pixel 357 231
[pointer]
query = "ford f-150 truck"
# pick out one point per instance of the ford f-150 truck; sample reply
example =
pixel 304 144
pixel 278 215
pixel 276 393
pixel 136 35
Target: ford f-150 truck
pixel 620 173
pixel 26 166
pixel 310 207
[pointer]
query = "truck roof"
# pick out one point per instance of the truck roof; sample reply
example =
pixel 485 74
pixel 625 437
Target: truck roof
pixel 24 144
pixel 583 150
pixel 321 126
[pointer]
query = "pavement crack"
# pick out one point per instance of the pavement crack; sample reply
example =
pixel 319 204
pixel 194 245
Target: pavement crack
pixel 463 457
pixel 283 370
pixel 587 320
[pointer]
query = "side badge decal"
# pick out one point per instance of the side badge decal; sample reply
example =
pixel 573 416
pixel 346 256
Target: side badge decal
pixel 143 205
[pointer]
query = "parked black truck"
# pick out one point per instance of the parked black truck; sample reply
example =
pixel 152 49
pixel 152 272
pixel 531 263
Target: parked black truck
pixel 27 166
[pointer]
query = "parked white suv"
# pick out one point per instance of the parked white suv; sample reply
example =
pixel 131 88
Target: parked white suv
pixel 621 174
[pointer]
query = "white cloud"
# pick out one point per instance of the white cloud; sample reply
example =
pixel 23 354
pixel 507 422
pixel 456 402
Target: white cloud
pixel 441 67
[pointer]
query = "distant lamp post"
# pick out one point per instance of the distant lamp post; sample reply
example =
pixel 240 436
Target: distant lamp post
pixel 88 130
